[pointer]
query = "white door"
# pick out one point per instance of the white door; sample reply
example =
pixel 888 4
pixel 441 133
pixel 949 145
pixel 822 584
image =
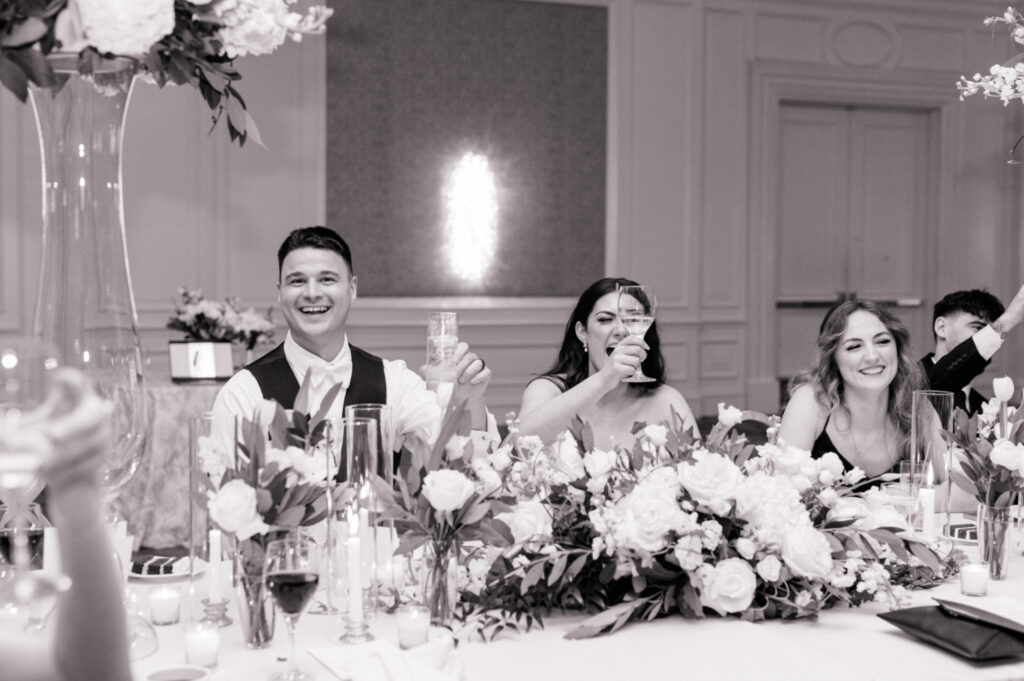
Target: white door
pixel 856 187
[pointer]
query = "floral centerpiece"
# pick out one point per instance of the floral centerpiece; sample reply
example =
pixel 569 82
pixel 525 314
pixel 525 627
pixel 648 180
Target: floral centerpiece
pixel 192 42
pixel 276 482
pixel 450 497
pixel 207 320
pixel 989 450
pixel 677 524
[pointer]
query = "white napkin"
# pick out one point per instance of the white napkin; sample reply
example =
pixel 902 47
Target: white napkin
pixel 435 660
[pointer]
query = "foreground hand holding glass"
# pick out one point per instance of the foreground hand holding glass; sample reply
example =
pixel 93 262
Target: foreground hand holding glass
pixel 292 571
pixel 26 368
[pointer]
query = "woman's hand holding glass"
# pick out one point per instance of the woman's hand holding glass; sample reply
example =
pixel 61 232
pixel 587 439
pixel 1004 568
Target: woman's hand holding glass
pixel 626 357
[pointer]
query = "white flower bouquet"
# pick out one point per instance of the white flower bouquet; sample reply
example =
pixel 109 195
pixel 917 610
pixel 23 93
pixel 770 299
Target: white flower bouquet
pixel 207 320
pixel 174 41
pixel 681 525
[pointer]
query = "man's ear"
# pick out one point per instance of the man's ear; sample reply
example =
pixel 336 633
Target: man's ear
pixel 941 328
pixel 353 283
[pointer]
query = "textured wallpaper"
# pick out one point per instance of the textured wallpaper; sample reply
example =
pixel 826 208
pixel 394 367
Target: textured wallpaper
pixel 414 86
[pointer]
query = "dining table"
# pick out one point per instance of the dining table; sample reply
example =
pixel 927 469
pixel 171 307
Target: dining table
pixel 838 644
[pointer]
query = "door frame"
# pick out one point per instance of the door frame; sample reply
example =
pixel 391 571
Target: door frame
pixel 774 82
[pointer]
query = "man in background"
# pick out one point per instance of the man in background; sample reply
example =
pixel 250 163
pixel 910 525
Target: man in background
pixel 969 328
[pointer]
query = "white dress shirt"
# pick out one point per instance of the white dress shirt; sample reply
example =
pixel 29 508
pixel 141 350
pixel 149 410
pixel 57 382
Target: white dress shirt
pixel 416 412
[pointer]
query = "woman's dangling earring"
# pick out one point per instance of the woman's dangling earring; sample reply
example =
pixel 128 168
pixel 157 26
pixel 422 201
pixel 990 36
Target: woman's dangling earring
pixel 585 348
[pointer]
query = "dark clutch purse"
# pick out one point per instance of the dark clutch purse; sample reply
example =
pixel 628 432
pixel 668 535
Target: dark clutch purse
pixel 960 634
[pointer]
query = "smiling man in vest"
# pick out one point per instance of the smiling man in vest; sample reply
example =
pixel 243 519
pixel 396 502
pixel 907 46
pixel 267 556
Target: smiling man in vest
pixel 316 289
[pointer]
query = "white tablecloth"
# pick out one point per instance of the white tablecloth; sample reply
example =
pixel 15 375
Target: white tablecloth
pixel 840 644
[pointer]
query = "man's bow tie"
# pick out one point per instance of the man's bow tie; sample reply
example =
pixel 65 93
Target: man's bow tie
pixel 324 377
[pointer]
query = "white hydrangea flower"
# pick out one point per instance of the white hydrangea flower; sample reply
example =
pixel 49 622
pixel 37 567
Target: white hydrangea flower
pixel 125 28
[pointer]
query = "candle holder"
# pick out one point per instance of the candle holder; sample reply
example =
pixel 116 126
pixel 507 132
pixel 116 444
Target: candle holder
pixel 164 605
pixel 413 621
pixel 202 644
pixel 216 613
pixel 355 529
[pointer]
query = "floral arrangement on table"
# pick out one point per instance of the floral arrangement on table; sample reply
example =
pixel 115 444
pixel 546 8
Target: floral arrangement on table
pixel 989 450
pixel 680 525
pixel 207 320
pixel 192 42
pixel 275 482
pixel 450 496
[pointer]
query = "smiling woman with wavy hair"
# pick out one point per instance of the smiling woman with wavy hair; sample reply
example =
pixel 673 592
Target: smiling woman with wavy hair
pixel 856 399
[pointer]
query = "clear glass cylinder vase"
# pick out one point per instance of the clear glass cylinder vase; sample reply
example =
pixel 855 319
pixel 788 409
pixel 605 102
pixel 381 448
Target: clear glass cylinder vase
pixel 993 538
pixel 84 304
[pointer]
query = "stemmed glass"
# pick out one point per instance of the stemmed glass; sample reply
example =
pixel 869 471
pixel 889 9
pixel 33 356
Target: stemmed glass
pixel 26 369
pixel 636 311
pixel 292 572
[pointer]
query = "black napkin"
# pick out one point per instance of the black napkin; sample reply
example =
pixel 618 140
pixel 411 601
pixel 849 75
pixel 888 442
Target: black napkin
pixel 972 639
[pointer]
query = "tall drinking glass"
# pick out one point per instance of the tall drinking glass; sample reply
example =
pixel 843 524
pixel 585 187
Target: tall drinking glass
pixel 355 527
pixel 384 534
pixel 442 340
pixel 932 414
pixel 636 311
pixel 291 572
pixel 26 370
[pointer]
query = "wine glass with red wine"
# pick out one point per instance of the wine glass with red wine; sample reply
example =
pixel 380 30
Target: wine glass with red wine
pixel 292 572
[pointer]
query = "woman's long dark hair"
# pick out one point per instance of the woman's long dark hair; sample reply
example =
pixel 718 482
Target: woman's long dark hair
pixel 572 359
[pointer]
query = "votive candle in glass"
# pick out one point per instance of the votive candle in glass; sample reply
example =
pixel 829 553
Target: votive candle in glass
pixel 202 644
pixel 973 579
pixel 164 605
pixel 413 625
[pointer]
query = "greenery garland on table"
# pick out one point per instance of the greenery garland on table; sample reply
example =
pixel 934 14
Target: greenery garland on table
pixel 680 525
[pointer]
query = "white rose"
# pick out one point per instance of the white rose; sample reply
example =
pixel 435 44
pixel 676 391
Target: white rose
pixel 599 462
pixel 567 461
pixel 126 28
pixel 745 547
pixel 1003 388
pixel 806 552
pixel 489 479
pixel 456 447
pixel 527 521
pixel 729 416
pixel 311 466
pixel 501 458
pixel 233 508
pixel 712 480
pixel 828 497
pixel 657 434
pixel 1008 455
pixel 728 586
pixel 831 463
pixel 790 460
pixel 769 568
pixel 447 490
pixel 648 513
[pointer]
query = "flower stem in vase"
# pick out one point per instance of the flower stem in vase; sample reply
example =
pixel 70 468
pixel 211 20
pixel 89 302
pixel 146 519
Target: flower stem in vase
pixel 993 539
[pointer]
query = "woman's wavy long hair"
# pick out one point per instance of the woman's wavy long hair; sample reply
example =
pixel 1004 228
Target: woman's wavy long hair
pixel 824 376
pixel 572 360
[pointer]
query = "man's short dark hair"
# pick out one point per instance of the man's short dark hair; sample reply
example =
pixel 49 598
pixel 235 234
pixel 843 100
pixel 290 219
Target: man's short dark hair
pixel 314 237
pixel 977 302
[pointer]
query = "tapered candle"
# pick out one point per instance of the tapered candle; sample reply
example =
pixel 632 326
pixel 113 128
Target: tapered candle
pixel 215 594
pixel 355 571
pixel 926 497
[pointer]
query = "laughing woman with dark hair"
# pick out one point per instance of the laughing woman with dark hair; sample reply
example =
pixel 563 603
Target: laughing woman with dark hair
pixel 586 380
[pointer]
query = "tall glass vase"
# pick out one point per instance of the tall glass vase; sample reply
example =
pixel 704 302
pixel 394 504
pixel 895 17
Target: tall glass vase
pixel 994 538
pixel 85 305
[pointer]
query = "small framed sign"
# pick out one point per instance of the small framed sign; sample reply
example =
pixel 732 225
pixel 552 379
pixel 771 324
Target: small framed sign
pixel 201 360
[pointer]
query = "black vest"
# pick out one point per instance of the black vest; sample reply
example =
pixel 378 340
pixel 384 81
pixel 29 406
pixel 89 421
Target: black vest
pixel 277 380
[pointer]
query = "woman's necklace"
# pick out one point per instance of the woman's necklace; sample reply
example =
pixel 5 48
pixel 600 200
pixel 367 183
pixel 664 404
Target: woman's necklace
pixel 860 452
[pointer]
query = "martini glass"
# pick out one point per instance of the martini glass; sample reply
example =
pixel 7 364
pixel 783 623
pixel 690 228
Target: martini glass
pixel 636 310
pixel 26 369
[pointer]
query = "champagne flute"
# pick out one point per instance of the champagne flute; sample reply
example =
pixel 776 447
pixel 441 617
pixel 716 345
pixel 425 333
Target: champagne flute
pixel 636 311
pixel 292 573
pixel 26 369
